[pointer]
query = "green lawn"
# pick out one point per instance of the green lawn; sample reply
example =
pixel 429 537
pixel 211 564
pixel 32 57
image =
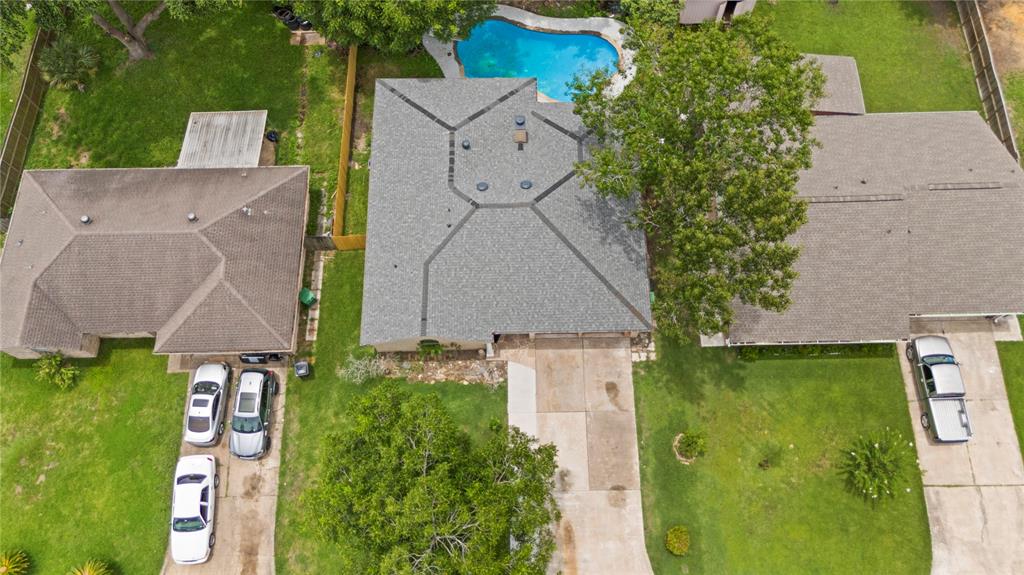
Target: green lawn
pixel 10 80
pixel 1011 356
pixel 1013 91
pixel 87 472
pixel 795 516
pixel 911 55
pixel 316 405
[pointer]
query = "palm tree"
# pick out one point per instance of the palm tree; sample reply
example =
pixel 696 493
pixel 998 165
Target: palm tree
pixel 65 64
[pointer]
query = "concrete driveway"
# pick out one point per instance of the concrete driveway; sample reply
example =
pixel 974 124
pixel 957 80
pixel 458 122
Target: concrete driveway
pixel 974 491
pixel 246 501
pixel 578 394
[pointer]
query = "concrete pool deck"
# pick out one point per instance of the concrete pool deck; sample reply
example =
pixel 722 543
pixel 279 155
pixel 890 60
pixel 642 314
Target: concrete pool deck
pixel 608 28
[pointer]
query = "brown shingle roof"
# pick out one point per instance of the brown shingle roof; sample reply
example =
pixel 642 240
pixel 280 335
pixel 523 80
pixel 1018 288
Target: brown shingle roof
pixel 141 267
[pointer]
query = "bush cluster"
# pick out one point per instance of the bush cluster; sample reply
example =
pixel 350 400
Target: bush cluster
pixel 677 540
pixel 93 567
pixel 755 352
pixel 14 562
pixel 52 369
pixel 691 444
pixel 360 370
pixel 876 466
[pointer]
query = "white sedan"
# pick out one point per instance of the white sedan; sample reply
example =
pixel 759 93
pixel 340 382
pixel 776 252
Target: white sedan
pixel 192 509
pixel 204 419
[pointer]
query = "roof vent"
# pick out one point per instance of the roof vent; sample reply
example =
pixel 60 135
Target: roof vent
pixel 526 184
pixel 247 210
pixel 465 144
pixel 520 120
pixel 86 220
pixel 481 186
pixel 192 217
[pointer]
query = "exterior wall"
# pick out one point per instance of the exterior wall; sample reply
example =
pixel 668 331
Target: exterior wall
pixel 697 11
pixel 412 344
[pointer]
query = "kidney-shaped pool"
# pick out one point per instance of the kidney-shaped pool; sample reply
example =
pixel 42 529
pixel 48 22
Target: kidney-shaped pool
pixel 498 49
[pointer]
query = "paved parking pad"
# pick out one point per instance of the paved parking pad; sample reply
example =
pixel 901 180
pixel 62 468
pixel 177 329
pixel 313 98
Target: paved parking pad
pixel 578 394
pixel 974 491
pixel 246 502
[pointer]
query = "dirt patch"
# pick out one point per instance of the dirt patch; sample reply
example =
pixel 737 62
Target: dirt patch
pixel 1004 24
pixel 56 127
pixel 945 24
pixel 252 486
pixel 82 160
pixel 249 550
pixel 567 545
pixel 611 389
pixel 563 482
pixel 617 496
pixel 462 370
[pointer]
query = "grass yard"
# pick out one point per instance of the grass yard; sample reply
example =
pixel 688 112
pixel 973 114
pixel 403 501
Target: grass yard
pixel 1013 91
pixel 316 405
pixel 87 472
pixel 911 55
pixel 1011 356
pixel 796 414
pixel 10 80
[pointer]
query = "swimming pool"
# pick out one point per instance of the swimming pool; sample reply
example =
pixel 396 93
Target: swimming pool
pixel 498 49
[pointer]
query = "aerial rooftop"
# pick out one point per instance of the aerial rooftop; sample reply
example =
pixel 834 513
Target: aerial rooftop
pixel 93 253
pixel 478 224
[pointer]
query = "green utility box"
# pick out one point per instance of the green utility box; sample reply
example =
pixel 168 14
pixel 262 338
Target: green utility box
pixel 307 297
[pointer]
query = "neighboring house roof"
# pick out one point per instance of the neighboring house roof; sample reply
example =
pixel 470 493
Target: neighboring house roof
pixel 223 139
pixel 226 283
pixel 446 261
pixel 843 93
pixel 909 214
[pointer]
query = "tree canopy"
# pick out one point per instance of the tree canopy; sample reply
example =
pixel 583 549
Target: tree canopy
pixel 393 26
pixel 405 490
pixel 710 136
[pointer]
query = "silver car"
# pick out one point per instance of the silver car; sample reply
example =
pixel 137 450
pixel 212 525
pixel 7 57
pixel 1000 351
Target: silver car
pixel 250 420
pixel 204 417
pixel 941 385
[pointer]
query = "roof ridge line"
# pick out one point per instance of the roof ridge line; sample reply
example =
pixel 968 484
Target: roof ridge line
pixel 416 106
pixel 424 301
pixel 205 288
pixel 469 119
pixel 262 320
pixel 263 192
pixel 78 328
pixel 49 200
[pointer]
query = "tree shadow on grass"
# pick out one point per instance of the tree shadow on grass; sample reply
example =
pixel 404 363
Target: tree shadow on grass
pixel 684 369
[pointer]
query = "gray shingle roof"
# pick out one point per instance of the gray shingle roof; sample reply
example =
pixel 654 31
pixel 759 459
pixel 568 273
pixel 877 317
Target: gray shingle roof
pixel 140 266
pixel 446 261
pixel 843 94
pixel 910 214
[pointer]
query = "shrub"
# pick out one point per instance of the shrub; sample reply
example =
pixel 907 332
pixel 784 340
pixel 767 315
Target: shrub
pixel 677 540
pixel 359 370
pixel 691 444
pixel 93 567
pixel 877 466
pixel 646 12
pixel 755 352
pixel 14 562
pixel 65 64
pixel 429 349
pixel 51 369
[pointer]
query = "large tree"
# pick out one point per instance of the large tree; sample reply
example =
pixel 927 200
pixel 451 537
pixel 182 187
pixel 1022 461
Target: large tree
pixel 129 31
pixel 406 491
pixel 393 26
pixel 709 136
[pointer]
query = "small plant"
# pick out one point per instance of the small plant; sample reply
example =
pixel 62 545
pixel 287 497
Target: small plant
pixel 877 466
pixel 771 456
pixel 677 540
pixel 14 562
pixel 65 64
pixel 360 370
pixel 93 567
pixel 690 445
pixel 51 369
pixel 429 349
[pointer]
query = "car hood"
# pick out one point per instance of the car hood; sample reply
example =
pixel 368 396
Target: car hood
pixel 246 444
pixel 190 546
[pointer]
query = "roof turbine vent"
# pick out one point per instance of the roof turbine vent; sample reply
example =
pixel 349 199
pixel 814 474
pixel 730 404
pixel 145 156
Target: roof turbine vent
pixel 86 220
pixel 192 217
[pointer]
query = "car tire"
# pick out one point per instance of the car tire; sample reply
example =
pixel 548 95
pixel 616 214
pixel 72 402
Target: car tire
pixel 220 430
pixel 266 445
pixel 277 388
pixel 213 539
pixel 216 480
pixel 910 352
pixel 925 423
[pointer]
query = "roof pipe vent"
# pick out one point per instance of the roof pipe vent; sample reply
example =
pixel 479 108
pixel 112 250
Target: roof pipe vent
pixel 520 120
pixel 192 217
pixel 86 220
pixel 465 144
pixel 526 184
pixel 481 186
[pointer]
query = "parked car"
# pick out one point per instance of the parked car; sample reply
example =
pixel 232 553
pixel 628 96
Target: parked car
pixel 204 419
pixel 938 378
pixel 250 420
pixel 192 509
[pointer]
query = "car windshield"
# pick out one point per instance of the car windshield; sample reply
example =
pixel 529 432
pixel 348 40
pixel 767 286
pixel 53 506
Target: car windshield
pixel 205 388
pixel 247 402
pixel 198 424
pixel 191 478
pixel 187 524
pixel 938 359
pixel 246 424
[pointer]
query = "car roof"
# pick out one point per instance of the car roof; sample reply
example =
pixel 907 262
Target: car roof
pixel 948 380
pixel 932 345
pixel 250 381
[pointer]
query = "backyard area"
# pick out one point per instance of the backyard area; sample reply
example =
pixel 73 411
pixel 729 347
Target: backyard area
pixel 87 471
pixel 1011 356
pixel 767 495
pixel 10 81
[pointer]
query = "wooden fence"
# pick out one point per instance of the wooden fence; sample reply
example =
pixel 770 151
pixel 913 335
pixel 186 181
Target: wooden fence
pixel 991 92
pixel 23 121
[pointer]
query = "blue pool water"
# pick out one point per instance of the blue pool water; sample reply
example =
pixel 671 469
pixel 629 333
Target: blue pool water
pixel 497 49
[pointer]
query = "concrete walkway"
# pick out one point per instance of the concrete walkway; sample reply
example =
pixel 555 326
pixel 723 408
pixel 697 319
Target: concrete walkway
pixel 246 502
pixel 578 394
pixel 974 491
